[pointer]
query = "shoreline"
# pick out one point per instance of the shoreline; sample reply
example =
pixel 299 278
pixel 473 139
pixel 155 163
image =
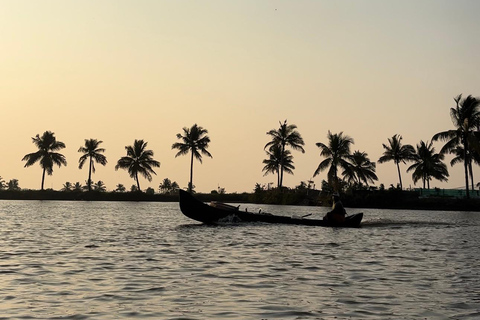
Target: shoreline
pixel 401 200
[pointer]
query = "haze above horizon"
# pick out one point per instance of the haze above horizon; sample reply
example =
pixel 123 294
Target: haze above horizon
pixel 117 71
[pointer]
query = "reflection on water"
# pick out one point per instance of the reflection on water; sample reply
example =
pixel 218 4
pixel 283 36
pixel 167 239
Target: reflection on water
pixel 112 260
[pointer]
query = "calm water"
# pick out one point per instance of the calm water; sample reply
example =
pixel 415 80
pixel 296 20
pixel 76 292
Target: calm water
pixel 113 260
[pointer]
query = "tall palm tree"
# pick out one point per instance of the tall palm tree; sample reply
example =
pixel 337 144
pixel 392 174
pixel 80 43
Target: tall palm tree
pixel 138 161
pixel 336 153
pixel 466 119
pixel 397 153
pixel 93 153
pixel 46 155
pixel 474 157
pixel 361 169
pixel 194 141
pixel 275 160
pixel 285 136
pixel 427 165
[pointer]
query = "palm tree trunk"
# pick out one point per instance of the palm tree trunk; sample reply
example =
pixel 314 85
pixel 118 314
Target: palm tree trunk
pixel 465 164
pixel 190 185
pixel 281 165
pixel 43 177
pixel 399 176
pixel 90 176
pixel 138 182
pixel 471 175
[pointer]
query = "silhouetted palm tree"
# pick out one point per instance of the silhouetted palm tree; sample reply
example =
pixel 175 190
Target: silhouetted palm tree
pixel 99 186
pixel 3 184
pixel 67 186
pixel 77 187
pixel 47 144
pixel 397 153
pixel 138 161
pixel 466 119
pixel 93 153
pixel 361 169
pixel 474 157
pixel 275 160
pixel 336 153
pixel 13 185
pixel 194 141
pixel 120 188
pixel 283 137
pixel 428 164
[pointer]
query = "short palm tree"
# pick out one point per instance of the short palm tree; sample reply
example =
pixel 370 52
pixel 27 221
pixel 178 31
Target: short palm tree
pixel 120 188
pixel 138 161
pixel 361 169
pixel 194 141
pixel 67 186
pixel 13 185
pixel 275 160
pixel 427 165
pixel 336 153
pixel 99 186
pixel 397 153
pixel 93 153
pixel 3 185
pixel 77 187
pixel 46 155
pixel 466 119
pixel 285 136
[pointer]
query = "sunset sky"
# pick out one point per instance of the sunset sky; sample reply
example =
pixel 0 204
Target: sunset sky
pixel 123 70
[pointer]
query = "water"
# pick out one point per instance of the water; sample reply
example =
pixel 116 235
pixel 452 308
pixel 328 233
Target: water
pixel 115 260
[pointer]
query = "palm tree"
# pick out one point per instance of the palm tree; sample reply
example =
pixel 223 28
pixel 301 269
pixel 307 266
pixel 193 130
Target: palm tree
pixel 120 188
pixel 397 153
pixel 361 169
pixel 428 164
pixel 466 119
pixel 67 186
pixel 93 153
pixel 474 157
pixel 13 185
pixel 100 186
pixel 275 160
pixel 3 185
pixel 77 187
pixel 194 141
pixel 138 161
pixel 283 137
pixel 47 144
pixel 336 153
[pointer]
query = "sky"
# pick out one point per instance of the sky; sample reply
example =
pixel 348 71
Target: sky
pixel 121 70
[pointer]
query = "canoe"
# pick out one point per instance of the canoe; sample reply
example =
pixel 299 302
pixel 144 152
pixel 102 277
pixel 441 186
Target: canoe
pixel 220 212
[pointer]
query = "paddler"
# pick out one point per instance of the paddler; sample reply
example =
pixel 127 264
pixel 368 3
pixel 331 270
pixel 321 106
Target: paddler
pixel 337 215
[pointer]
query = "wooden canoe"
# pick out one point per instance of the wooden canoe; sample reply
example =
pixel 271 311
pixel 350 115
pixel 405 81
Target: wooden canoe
pixel 214 214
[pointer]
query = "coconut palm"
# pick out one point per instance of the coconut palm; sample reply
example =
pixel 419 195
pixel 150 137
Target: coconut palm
pixel 99 186
pixel 275 160
pixel 47 144
pixel 77 187
pixel 361 169
pixel 397 153
pixel 466 119
pixel 194 141
pixel 67 186
pixel 93 153
pixel 283 137
pixel 138 161
pixel 427 165
pixel 336 153
pixel 13 185
pixel 459 157
pixel 120 188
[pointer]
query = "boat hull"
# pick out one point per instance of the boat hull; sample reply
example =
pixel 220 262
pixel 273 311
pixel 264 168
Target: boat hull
pixel 201 212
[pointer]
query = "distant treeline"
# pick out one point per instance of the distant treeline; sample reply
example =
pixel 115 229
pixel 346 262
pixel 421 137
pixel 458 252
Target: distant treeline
pixel 381 199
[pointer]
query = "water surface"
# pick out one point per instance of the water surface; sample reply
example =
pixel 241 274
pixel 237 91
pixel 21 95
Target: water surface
pixel 132 260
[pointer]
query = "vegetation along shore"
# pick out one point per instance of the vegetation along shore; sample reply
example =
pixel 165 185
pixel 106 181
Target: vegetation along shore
pixel 352 174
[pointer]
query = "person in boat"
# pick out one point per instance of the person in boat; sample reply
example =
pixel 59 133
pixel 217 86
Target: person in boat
pixel 337 214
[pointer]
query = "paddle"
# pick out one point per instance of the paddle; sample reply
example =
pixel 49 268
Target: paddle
pixel 306 215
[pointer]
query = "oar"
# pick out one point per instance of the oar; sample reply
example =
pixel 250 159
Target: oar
pixel 306 215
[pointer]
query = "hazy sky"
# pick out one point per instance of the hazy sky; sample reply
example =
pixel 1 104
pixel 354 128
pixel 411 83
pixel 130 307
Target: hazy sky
pixel 123 70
